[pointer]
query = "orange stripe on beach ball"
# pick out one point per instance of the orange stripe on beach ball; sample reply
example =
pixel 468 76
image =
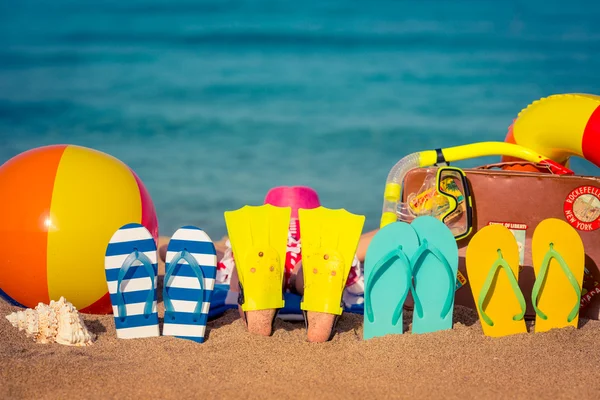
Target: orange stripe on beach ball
pixel 26 183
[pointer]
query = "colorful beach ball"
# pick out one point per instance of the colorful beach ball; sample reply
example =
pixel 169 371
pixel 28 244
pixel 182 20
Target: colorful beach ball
pixel 59 207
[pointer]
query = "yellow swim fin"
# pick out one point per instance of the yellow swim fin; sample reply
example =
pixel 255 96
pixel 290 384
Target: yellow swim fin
pixel 329 242
pixel 258 236
pixel 558 261
pixel 493 270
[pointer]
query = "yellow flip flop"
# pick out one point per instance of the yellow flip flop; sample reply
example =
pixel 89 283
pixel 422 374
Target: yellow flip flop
pixel 329 242
pixel 493 269
pixel 258 236
pixel 558 261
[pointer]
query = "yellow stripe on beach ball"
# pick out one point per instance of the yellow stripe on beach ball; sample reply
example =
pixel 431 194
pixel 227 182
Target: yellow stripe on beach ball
pixel 94 195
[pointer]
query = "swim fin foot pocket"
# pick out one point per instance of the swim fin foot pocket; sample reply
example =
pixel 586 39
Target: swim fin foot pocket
pixel 258 236
pixel 329 242
pixel 257 321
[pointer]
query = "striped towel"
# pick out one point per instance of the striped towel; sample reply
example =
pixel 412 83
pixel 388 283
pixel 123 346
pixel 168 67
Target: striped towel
pixel 191 269
pixel 131 269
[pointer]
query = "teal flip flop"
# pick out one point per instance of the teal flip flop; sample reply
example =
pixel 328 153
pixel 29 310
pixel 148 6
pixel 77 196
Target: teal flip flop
pixel 388 278
pixel 434 269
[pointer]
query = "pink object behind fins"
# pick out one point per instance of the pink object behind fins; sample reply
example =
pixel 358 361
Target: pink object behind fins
pixel 293 196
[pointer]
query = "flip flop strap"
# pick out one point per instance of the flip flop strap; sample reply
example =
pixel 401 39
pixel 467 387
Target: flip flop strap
pixel 128 263
pixel 399 307
pixel 415 262
pixel 500 263
pixel 191 260
pixel 550 254
pixel 377 272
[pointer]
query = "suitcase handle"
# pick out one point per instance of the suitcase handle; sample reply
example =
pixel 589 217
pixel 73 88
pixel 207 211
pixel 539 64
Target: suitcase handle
pixel 541 168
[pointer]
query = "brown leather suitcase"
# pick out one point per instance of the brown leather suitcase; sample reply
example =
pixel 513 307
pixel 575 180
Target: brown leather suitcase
pixel 521 200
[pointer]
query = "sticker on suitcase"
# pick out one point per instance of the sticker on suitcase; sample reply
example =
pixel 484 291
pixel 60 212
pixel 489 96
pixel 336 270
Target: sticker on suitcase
pixel 582 208
pixel 518 230
pixel 591 288
pixel 461 280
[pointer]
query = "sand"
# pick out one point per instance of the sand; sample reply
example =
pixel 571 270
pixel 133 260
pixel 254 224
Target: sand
pixel 460 363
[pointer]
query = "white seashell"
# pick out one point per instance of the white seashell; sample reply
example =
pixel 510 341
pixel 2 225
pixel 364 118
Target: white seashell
pixel 71 328
pixel 57 322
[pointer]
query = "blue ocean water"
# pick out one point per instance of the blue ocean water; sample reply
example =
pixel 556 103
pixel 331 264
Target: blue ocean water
pixel 214 102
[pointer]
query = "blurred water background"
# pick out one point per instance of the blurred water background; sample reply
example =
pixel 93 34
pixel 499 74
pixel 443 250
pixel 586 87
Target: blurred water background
pixel 214 102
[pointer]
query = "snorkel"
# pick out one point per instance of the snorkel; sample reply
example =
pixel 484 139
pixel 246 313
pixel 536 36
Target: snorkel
pixel 395 179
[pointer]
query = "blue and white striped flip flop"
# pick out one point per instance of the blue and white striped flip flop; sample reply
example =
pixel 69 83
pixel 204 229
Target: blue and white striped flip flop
pixel 190 272
pixel 131 268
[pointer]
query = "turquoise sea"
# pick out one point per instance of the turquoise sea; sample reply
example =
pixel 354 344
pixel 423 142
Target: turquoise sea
pixel 214 102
